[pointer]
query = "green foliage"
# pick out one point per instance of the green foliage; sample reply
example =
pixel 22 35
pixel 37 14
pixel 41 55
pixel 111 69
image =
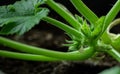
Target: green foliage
pixel 21 16
pixel 88 35
pixel 113 70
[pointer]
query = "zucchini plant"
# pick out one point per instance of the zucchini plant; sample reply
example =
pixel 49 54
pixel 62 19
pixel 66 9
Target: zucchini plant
pixel 88 36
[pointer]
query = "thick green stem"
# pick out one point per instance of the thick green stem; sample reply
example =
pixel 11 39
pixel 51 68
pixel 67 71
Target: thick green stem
pixel 111 15
pixel 115 54
pixel 62 12
pixel 76 55
pixel 63 26
pixel 25 56
pixel 85 11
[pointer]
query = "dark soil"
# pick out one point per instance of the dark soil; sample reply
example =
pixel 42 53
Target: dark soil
pixel 12 66
pixel 47 36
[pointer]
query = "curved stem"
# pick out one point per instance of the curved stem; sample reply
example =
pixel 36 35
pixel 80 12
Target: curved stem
pixel 63 26
pixel 112 38
pixel 76 55
pixel 25 56
pixel 114 23
pixel 62 12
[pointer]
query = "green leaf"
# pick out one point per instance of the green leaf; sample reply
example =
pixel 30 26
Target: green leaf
pixel 79 19
pixel 21 16
pixel 113 70
pixel 86 29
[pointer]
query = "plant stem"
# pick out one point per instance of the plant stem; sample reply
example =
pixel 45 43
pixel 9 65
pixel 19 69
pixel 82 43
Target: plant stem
pixel 115 54
pixel 111 15
pixel 85 11
pixel 62 12
pixel 25 56
pixel 76 55
pixel 63 26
